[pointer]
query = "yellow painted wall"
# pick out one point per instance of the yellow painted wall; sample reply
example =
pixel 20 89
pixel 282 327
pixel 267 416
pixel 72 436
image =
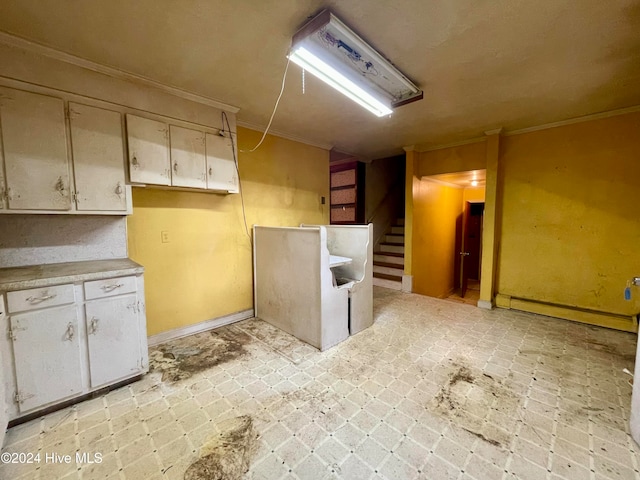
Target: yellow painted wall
pixel 205 270
pixel 571 221
pixel 436 210
pixel 462 158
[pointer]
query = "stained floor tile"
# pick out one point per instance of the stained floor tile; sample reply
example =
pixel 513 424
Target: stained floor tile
pixel 433 390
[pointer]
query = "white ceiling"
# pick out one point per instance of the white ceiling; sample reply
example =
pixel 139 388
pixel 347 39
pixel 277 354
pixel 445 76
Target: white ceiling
pixel 482 64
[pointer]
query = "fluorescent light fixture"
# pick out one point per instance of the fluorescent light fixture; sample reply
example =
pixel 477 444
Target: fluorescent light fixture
pixel 334 53
pixel 332 77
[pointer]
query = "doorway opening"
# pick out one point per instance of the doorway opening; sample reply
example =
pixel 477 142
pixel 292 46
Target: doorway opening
pixel 469 245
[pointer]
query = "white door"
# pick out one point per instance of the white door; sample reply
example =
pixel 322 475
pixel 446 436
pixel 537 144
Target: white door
pixel 148 151
pixel 187 157
pixel 114 339
pixel 221 166
pixel 46 350
pixel 98 158
pixel 35 151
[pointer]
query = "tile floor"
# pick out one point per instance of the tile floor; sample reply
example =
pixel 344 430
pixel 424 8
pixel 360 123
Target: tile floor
pixel 433 390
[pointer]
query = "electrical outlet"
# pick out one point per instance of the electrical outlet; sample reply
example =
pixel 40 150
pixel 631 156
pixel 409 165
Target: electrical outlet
pixel 164 235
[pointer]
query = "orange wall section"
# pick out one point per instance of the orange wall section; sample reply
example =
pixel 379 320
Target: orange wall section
pixel 437 209
pixel 570 223
pixel 205 270
pixel 473 194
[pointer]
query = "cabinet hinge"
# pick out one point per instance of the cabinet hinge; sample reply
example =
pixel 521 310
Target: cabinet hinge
pixel 11 332
pixel 20 397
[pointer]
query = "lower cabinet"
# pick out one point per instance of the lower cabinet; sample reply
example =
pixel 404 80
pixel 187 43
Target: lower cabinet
pixel 46 350
pixel 113 338
pixel 65 341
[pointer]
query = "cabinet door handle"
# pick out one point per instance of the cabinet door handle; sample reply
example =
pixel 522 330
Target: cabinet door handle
pixel 70 332
pixel 60 186
pixel 34 300
pixel 118 189
pixel 93 325
pixel 134 162
pixel 111 287
pixel 175 167
pixel 210 171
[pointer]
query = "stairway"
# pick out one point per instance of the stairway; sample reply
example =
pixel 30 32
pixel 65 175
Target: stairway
pixel 388 260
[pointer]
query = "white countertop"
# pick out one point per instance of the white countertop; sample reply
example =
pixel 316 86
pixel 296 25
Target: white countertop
pixel 34 276
pixel 336 261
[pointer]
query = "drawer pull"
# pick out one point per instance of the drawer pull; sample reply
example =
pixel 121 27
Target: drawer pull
pixel 36 300
pixel 70 331
pixel 93 325
pixel 111 287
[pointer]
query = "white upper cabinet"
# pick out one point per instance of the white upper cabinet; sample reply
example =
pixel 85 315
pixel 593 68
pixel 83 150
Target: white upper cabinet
pixel 221 165
pixel 3 188
pixel 187 157
pixel 148 151
pixel 98 158
pixel 35 151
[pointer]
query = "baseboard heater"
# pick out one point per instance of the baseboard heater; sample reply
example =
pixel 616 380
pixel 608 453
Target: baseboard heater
pixel 576 314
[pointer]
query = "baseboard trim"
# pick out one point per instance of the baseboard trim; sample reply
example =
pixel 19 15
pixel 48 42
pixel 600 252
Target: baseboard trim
pixel 487 305
pixel 407 283
pixel 163 337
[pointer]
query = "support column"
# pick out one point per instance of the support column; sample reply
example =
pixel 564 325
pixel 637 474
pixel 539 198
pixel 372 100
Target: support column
pixel 491 223
pixel 410 171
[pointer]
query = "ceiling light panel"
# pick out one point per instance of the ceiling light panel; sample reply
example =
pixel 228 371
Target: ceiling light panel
pixel 333 52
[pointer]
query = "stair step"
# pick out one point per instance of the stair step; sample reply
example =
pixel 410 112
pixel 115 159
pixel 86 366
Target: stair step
pixel 395 270
pixel 389 254
pixel 394 239
pixel 392 258
pixel 381 282
pixel 399 266
pixel 391 248
pixel 397 230
pixel 386 276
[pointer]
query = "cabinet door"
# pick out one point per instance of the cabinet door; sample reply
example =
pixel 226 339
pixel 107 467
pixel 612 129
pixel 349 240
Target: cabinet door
pixel 148 151
pixel 221 166
pixel 98 158
pixel 3 186
pixel 47 356
pixel 35 151
pixel 114 339
pixel 187 157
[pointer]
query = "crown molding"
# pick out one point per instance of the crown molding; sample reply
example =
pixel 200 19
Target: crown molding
pixel 495 131
pixel 451 145
pixel 285 135
pixel 43 50
pixel 571 121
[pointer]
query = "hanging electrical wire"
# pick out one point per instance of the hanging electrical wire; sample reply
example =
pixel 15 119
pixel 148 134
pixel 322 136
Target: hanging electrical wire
pixel 275 109
pixel 225 120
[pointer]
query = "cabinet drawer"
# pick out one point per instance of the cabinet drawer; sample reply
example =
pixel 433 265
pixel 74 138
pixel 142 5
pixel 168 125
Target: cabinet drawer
pixel 23 300
pixel 109 287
